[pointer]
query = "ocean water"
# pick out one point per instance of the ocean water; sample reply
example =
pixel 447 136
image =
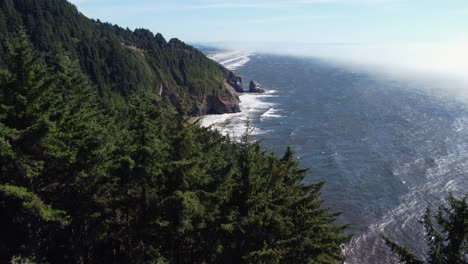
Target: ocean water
pixel 387 147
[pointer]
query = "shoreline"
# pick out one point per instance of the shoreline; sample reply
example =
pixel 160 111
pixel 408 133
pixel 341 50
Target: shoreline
pixel 253 106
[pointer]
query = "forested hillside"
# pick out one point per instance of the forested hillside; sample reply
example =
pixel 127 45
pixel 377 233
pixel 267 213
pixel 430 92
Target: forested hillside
pixel 117 174
pixel 121 61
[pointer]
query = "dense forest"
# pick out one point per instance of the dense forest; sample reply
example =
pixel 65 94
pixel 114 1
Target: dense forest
pixel 99 164
pixel 80 182
pixel 121 61
pixel 88 180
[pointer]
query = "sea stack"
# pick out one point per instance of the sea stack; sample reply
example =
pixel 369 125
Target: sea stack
pixel 255 87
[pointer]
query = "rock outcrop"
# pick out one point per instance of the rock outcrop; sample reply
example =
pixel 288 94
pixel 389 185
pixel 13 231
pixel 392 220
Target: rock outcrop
pixel 236 82
pixel 221 105
pixel 255 87
pixel 218 104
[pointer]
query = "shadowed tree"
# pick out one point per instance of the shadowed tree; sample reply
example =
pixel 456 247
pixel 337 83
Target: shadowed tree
pixel 447 237
pixel 26 222
pixel 94 168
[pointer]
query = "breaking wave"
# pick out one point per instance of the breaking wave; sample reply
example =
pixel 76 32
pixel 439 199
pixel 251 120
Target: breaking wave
pixel 251 105
pixel 232 60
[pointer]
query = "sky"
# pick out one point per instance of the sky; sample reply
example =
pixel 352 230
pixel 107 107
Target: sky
pixel 320 21
pixel 423 29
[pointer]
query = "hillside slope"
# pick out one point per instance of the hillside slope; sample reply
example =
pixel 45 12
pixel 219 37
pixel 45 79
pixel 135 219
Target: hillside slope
pixel 106 171
pixel 121 61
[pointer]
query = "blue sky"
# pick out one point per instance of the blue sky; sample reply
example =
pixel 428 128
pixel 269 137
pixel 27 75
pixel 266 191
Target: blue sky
pixel 413 34
pixel 317 21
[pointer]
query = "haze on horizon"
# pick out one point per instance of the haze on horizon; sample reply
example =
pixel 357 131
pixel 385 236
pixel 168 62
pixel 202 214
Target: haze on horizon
pixel 424 34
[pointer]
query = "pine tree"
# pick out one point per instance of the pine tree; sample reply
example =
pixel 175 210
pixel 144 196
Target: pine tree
pixel 447 238
pixel 182 205
pixel 313 225
pixel 131 194
pixel 78 148
pixel 119 180
pixel 26 222
pixel 26 97
pixel 405 255
pixel 278 218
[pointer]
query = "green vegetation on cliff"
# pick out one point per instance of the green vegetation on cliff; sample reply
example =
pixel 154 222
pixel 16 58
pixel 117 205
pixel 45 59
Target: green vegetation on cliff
pixel 121 61
pixel 89 180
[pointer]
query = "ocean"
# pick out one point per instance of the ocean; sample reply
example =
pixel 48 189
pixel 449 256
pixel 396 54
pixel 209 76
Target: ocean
pixel 387 147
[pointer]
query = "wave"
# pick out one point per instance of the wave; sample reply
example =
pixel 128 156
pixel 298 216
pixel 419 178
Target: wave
pixel 442 175
pixel 251 105
pixel 235 125
pixel 232 60
pixel 271 113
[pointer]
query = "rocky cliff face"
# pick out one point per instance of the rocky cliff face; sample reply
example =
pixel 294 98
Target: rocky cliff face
pixel 212 105
pixel 236 82
pixel 119 61
pixel 255 87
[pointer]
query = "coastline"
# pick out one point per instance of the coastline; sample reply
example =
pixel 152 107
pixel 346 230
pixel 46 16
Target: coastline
pixel 254 108
pixel 232 59
pixel 351 149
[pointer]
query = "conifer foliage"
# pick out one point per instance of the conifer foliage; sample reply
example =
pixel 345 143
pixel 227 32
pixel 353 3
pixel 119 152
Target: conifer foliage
pixel 129 180
pixel 26 99
pixel 447 237
pixel 117 60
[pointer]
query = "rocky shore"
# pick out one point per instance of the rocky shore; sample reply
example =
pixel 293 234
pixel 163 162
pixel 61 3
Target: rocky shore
pixel 255 87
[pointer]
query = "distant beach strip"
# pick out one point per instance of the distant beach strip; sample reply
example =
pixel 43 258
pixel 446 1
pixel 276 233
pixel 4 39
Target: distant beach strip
pixel 232 60
pixel 235 125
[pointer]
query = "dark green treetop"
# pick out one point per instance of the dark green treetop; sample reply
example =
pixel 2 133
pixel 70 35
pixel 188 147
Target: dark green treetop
pixel 447 237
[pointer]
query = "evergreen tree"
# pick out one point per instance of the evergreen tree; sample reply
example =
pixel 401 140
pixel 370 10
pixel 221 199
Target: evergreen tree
pixel 26 223
pixel 278 218
pixel 26 97
pixel 118 61
pixel 77 158
pixel 447 238
pixel 133 196
pixel 186 178
pixel 405 255
pixel 86 180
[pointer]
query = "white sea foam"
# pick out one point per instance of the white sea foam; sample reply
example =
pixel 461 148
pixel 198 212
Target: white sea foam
pixel 271 113
pixel 405 217
pixel 232 60
pixel 235 125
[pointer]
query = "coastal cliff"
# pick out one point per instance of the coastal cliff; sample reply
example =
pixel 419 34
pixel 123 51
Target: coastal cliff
pixel 121 61
pixel 222 104
pixel 98 163
pixel 236 82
